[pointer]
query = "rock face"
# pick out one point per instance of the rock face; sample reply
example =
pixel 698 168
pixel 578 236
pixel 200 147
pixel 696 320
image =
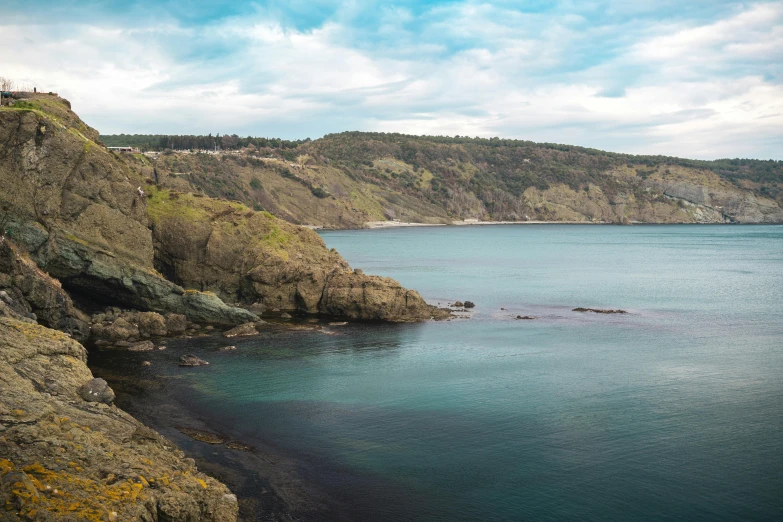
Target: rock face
pixel 64 458
pixel 72 205
pixel 33 294
pixel 253 257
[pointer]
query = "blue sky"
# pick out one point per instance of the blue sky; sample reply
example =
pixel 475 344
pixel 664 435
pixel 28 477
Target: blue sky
pixel 698 79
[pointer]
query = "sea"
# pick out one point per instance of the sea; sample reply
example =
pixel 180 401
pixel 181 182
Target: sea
pixel 672 411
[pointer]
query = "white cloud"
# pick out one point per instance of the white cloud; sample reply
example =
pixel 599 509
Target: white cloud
pixel 696 90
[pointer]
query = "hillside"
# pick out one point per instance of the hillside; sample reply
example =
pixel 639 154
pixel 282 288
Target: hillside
pixel 345 180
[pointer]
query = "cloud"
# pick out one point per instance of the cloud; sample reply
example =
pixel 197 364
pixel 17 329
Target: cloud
pixel 612 75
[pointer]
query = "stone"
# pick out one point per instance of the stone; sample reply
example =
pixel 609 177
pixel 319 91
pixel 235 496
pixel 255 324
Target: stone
pixel 191 360
pixel 241 330
pixel 469 304
pixel 96 390
pixel 285 315
pixel 152 323
pixel 176 323
pixel 143 346
pixel 458 304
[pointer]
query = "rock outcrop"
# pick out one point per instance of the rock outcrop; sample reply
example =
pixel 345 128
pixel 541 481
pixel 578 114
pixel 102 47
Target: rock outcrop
pixel 84 214
pixel 66 458
pixel 31 293
pixel 253 257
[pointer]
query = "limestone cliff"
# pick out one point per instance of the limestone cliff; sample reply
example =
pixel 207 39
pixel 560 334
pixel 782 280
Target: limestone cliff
pixel 67 454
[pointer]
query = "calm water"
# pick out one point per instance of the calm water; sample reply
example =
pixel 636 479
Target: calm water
pixel 673 412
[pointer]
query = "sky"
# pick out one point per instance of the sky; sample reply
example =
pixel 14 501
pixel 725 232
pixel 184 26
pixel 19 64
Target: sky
pixel 691 78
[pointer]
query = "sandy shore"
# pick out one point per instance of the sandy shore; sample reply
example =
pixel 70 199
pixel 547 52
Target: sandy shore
pixel 398 224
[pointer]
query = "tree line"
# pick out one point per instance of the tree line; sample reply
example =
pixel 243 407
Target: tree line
pixel 161 142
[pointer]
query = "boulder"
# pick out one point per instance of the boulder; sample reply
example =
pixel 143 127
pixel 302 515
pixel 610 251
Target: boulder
pixel 458 304
pixel 143 346
pixel 96 390
pixel 152 323
pixel 241 330
pixel 469 304
pixel 176 323
pixel 191 360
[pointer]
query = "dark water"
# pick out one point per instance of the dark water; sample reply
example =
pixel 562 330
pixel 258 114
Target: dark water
pixel 672 412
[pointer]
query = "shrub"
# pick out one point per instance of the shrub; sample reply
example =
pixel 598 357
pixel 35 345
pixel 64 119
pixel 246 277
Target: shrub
pixel 319 192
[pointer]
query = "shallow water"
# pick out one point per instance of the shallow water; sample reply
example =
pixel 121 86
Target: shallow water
pixel 671 412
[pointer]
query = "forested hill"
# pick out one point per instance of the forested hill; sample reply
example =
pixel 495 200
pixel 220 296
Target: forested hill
pixel 346 179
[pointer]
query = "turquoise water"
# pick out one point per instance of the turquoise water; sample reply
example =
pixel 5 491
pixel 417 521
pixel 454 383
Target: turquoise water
pixel 672 412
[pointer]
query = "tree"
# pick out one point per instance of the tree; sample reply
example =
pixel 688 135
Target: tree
pixel 6 84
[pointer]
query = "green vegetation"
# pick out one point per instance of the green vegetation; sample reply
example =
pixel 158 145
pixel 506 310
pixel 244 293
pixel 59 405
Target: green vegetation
pixel 357 177
pixel 160 142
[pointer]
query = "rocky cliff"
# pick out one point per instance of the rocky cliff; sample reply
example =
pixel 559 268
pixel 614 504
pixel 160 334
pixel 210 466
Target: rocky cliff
pixel 96 222
pixel 72 206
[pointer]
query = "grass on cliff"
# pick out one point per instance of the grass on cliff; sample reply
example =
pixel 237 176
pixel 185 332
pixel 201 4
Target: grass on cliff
pixel 255 229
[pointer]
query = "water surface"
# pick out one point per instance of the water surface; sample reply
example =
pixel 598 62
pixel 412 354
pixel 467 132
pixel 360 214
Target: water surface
pixel 672 412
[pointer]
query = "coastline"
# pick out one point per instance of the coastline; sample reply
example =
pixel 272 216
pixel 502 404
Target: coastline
pixel 271 483
pixel 373 225
pixel 402 224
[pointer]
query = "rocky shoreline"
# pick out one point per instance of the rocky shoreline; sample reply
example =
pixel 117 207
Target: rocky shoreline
pixel 268 481
pixel 83 229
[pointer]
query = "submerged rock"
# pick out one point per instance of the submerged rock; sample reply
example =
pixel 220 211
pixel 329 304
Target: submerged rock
pixel 143 346
pixel 599 310
pixel 191 360
pixel 526 317
pixel 203 436
pixel 227 348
